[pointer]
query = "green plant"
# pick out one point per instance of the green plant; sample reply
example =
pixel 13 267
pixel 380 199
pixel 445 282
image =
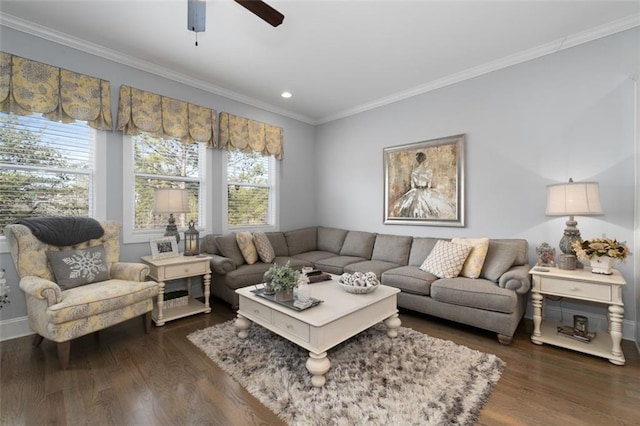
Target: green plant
pixel 283 277
pixel 600 247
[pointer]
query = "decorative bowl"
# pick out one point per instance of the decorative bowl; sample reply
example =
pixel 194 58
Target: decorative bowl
pixel 357 290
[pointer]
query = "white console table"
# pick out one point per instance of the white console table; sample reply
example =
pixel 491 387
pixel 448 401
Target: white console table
pixel 580 284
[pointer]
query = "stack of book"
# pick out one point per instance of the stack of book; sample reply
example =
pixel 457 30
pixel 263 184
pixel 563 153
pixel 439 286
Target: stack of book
pixel 570 332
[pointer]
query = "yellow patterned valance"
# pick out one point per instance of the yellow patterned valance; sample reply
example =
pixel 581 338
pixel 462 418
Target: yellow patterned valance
pixel 28 87
pixel 250 136
pixel 140 111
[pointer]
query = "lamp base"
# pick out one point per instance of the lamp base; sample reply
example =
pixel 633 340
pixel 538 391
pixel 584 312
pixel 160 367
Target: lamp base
pixel 172 230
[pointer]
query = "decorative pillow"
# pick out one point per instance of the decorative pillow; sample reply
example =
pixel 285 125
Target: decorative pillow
pixel 74 268
pixel 500 257
pixel 473 265
pixel 264 247
pixel 446 259
pixel 245 243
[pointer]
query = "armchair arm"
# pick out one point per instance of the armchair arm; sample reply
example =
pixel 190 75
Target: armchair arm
pixel 221 265
pixel 41 288
pixel 516 279
pixel 129 271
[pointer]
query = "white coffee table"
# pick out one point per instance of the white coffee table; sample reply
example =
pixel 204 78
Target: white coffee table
pixel 341 316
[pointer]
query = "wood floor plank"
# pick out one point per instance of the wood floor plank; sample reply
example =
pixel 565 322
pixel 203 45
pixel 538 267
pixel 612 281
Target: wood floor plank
pixel 127 377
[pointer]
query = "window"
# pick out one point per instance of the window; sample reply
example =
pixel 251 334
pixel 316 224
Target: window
pixel 154 163
pixel 250 186
pixel 46 168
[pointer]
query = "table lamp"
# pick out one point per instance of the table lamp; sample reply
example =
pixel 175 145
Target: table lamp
pixel 171 200
pixel 572 199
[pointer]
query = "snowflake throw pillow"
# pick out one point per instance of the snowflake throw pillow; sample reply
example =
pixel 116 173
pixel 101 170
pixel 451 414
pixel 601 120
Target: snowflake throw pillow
pixel 73 268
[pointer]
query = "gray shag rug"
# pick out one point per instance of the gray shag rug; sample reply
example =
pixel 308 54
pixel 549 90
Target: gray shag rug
pixel 413 379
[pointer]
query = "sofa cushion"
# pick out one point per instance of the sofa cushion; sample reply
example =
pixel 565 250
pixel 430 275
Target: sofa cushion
pixel 279 243
pixel 302 240
pixel 446 259
pixel 358 244
pixel 247 248
pixel 500 257
pixel 410 279
pixel 294 262
pixel 228 246
pixel 375 266
pixel 473 265
pixel 479 293
pixel 336 264
pixel 74 268
pixel 209 244
pixel 392 248
pixel 331 239
pixel 314 256
pixel 263 247
pixel 520 246
pixel 420 249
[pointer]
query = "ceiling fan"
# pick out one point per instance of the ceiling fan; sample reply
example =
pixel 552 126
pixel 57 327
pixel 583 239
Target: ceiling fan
pixel 196 13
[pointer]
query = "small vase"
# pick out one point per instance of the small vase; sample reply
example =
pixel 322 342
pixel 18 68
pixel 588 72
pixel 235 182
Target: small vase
pixel 284 296
pixel 304 291
pixel 602 265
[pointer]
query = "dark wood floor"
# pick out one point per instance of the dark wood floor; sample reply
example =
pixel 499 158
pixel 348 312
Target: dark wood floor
pixel 124 377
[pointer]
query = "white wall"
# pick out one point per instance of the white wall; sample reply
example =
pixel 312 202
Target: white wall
pixel 569 114
pixel 297 202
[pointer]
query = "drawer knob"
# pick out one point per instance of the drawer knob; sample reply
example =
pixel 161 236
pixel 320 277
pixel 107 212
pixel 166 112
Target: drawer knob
pixel 574 288
pixel 289 326
pixel 255 311
pixel 186 269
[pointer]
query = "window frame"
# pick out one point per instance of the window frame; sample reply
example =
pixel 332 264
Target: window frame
pixel 98 188
pixel 132 236
pixel 274 198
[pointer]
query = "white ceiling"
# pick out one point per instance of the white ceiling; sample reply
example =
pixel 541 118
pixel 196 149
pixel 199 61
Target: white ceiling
pixel 336 57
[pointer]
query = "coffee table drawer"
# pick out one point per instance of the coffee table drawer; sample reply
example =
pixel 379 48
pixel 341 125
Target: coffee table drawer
pixel 576 289
pixel 255 309
pixel 291 325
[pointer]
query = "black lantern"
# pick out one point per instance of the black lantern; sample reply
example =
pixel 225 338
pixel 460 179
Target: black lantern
pixel 191 240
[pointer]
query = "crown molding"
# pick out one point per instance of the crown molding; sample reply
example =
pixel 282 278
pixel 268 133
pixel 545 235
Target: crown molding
pixel 518 58
pixel 131 61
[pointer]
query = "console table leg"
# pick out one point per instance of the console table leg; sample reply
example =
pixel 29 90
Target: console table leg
pixel 207 292
pixel 536 300
pixel 318 365
pixel 616 313
pixel 160 303
pixel 393 324
pixel 242 326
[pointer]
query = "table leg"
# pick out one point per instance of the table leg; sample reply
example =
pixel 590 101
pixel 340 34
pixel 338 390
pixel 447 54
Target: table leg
pixel 242 326
pixel 318 365
pixel 616 313
pixel 536 300
pixel 160 303
pixel 207 292
pixel 393 324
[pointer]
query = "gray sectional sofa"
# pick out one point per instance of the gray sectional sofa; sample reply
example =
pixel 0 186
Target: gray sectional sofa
pixel 496 301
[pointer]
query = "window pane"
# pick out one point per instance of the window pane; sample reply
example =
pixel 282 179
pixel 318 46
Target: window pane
pixel 247 168
pixel 164 163
pixel 248 205
pixel 46 168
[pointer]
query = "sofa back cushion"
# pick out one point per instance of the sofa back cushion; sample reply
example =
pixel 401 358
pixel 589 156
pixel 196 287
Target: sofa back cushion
pixel 358 244
pixel 420 249
pixel 331 239
pixel 502 255
pixel 279 243
pixel 520 246
pixel 228 246
pixel 392 248
pixel 302 240
pixel 209 244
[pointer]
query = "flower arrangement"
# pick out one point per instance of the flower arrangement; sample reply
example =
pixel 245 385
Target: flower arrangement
pixel 283 277
pixel 4 290
pixel 600 247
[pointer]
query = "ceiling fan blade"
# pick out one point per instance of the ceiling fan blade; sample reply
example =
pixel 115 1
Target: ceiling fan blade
pixel 263 11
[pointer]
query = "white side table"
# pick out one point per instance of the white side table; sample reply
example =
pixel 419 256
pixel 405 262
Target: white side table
pixel 162 270
pixel 580 284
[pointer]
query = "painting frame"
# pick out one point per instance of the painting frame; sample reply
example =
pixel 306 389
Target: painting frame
pixel 164 248
pixel 424 183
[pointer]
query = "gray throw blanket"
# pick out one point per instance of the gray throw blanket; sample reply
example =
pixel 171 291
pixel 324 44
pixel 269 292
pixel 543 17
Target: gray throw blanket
pixel 63 230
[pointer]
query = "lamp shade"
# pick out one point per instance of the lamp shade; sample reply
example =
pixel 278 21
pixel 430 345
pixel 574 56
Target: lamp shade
pixel 573 199
pixel 169 200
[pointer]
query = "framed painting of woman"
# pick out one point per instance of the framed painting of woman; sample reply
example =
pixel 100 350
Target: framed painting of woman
pixel 424 183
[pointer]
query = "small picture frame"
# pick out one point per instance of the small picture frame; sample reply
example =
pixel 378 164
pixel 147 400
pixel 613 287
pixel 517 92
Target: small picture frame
pixel 163 248
pixel 546 255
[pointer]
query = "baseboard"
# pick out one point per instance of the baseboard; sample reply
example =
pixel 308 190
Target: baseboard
pixel 14 328
pixel 596 322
